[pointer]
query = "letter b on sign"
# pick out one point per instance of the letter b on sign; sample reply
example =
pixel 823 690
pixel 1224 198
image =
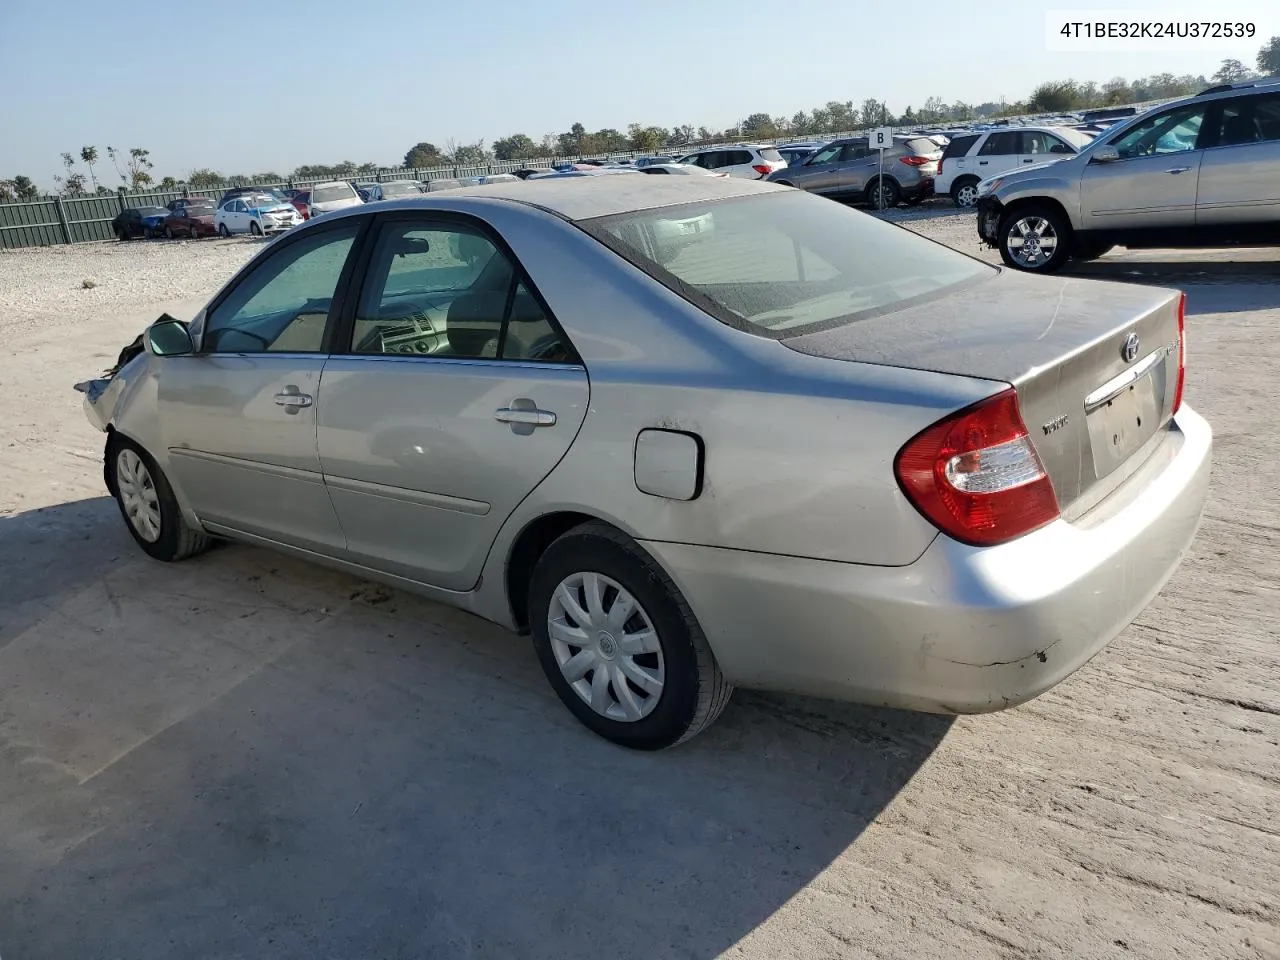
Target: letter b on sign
pixel 881 138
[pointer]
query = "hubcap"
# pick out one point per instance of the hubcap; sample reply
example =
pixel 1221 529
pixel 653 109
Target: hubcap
pixel 1032 241
pixel 966 196
pixel 138 495
pixel 606 647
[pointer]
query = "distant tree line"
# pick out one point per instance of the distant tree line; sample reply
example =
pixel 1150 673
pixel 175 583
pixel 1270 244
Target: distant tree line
pixel 133 166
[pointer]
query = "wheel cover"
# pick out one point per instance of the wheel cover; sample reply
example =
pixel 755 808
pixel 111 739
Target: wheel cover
pixel 967 195
pixel 138 495
pixel 1032 241
pixel 606 647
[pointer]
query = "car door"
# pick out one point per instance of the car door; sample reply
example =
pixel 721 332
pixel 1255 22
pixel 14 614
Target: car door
pixel 859 165
pixel 239 416
pixel 240 216
pixel 737 163
pixel 457 395
pixel 1240 173
pixel 821 173
pixel 1153 182
pixel 999 153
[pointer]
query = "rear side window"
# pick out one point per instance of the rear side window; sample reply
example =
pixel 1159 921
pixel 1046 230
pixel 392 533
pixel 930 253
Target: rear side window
pixel 1000 145
pixel 922 145
pixel 1248 120
pixel 784 264
pixel 770 154
pixel 960 146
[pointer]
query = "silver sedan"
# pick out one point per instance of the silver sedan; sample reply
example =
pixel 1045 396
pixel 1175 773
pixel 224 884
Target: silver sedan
pixel 689 433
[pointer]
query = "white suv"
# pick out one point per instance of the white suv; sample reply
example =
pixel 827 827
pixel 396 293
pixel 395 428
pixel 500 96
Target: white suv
pixel 746 160
pixel 973 157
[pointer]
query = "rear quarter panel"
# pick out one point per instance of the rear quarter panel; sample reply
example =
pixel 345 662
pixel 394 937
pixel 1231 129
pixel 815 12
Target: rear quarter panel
pixel 798 450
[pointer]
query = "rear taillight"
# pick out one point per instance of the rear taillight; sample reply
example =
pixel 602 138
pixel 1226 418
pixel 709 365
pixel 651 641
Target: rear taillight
pixel 976 475
pixel 763 169
pixel 1182 351
pixel 914 161
pixel 939 168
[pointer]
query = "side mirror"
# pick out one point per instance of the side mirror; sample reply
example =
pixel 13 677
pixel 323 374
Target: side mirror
pixel 168 337
pixel 1105 155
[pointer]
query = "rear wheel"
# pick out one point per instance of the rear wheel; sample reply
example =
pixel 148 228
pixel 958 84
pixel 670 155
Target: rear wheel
pixel 964 192
pixel 883 194
pixel 122 234
pixel 1035 238
pixel 223 231
pixel 148 505
pixel 619 644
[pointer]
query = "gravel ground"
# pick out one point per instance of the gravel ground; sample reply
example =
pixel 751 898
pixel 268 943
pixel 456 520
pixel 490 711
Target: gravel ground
pixel 246 756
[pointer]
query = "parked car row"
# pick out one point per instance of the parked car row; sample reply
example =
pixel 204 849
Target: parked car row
pixel 1201 171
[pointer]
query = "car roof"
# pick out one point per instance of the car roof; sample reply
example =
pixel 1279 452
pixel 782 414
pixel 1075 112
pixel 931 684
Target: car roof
pixel 585 198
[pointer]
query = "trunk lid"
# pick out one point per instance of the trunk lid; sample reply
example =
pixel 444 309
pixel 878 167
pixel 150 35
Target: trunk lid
pixel 1093 402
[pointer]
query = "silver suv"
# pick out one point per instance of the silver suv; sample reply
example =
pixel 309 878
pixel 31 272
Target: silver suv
pixel 1203 171
pixel 851 170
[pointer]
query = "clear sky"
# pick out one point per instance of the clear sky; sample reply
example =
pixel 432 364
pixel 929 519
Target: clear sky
pixel 250 86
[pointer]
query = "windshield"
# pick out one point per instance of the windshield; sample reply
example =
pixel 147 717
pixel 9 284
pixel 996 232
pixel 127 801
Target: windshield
pixel 400 188
pixel 259 200
pixel 337 191
pixel 784 264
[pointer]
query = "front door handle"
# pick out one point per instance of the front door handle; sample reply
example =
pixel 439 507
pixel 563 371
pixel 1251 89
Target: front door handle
pixel 1177 170
pixel 293 399
pixel 531 417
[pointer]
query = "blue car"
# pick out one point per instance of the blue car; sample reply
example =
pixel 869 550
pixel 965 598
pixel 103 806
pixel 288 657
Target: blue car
pixel 139 222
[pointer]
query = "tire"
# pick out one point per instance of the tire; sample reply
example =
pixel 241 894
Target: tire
pixel 223 231
pixel 883 194
pixel 964 192
pixel 148 506
pixel 122 234
pixel 195 232
pixel 691 691
pixel 168 234
pixel 1085 252
pixel 255 229
pixel 1042 221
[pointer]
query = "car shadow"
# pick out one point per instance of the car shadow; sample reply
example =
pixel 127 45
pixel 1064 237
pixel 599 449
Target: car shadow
pixel 244 755
pixel 1212 285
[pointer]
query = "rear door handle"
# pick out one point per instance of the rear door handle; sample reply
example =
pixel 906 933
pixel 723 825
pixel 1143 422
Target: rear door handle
pixel 529 417
pixel 1177 170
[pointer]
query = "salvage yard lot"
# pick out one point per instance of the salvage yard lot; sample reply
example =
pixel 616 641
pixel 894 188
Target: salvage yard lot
pixel 245 756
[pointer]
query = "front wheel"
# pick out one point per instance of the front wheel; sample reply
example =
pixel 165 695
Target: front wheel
pixel 255 229
pixel 1035 238
pixel 619 643
pixel 147 503
pixel 168 233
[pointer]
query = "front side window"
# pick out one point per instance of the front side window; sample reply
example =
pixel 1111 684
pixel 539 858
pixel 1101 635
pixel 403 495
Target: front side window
pixel 787 263
pixel 1172 132
pixel 826 155
pixel 283 305
pixel 445 290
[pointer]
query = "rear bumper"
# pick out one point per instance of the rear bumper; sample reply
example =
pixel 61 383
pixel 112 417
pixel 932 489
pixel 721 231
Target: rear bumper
pixel 963 629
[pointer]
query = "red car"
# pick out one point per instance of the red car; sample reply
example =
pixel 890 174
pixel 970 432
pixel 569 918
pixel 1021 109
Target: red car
pixel 190 217
pixel 301 200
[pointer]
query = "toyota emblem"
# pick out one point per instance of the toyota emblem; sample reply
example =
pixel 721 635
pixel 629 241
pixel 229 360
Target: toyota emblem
pixel 1129 349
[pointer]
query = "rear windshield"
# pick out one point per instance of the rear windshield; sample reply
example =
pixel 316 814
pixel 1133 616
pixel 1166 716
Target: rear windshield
pixel 336 192
pixel 400 189
pixel 923 145
pixel 959 147
pixel 770 154
pixel 785 264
